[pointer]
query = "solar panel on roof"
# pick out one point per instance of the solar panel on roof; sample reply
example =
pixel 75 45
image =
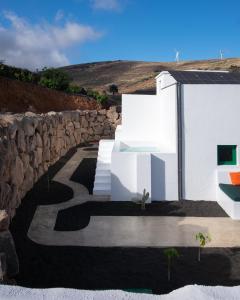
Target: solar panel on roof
pixel 196 77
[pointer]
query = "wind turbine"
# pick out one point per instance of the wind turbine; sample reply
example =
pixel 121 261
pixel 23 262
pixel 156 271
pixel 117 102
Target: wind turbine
pixel 177 56
pixel 221 55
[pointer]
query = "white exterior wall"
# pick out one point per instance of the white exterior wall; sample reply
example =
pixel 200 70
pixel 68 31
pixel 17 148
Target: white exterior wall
pixel 140 115
pixel 211 117
pixel 146 121
pixel 150 118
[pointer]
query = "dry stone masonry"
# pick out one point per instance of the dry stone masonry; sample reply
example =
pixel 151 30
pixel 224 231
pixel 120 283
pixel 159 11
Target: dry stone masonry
pixel 30 143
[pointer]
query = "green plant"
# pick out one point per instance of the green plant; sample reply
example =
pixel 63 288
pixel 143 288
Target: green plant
pixel 54 79
pixel 113 88
pixel 100 98
pixel 19 74
pixel 203 239
pixel 170 254
pixel 74 89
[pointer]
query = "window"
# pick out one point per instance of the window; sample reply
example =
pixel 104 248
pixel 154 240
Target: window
pixel 227 154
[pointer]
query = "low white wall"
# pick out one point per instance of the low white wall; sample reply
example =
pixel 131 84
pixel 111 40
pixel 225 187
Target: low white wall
pixel 232 208
pixel 211 118
pixel 131 172
pixel 123 176
pixel 164 177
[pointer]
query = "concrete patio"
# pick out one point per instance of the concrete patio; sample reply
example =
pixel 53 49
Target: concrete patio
pixel 135 231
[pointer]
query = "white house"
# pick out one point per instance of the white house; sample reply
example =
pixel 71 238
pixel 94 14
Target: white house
pixel 178 144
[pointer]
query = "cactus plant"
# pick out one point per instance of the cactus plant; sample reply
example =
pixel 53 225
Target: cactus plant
pixel 144 199
pixel 203 240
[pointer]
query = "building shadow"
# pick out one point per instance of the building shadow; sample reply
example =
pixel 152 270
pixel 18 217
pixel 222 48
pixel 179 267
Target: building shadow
pixel 158 182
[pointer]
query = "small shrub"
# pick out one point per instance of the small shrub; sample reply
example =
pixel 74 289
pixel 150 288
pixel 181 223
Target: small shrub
pixel 19 74
pixel 113 88
pixel 55 79
pixel 100 98
pixel 203 239
pixel 83 91
pixel 74 89
pixel 170 254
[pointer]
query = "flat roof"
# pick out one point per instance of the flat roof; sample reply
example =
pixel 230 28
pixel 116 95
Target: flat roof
pixel 200 77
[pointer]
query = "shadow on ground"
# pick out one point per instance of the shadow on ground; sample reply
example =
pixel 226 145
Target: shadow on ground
pixel 111 268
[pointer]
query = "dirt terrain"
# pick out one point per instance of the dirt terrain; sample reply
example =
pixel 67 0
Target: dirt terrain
pixel 135 76
pixel 130 77
pixel 17 97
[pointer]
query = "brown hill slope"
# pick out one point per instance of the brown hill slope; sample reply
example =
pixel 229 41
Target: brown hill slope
pixel 134 76
pixel 17 97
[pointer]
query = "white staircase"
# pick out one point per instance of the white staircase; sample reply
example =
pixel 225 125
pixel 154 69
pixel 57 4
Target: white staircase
pixel 102 182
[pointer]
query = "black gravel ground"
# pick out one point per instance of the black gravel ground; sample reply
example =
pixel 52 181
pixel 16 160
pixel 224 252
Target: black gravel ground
pixel 114 268
pixel 85 172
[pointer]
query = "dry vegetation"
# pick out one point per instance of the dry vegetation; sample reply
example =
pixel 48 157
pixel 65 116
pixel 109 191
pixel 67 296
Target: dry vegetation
pixel 133 76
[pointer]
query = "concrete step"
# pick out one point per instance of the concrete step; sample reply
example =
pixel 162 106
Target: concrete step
pixel 104 160
pixel 102 172
pixel 101 192
pixel 106 146
pixel 102 179
pixel 100 198
pixel 105 153
pixel 103 165
pixel 102 186
pixel 102 182
pixel 105 142
pixel 108 151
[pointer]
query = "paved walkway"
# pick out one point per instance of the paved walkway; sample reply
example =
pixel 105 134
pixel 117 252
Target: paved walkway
pixel 125 231
pixel 64 175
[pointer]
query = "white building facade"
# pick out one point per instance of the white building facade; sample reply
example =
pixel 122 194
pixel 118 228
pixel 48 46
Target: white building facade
pixel 177 144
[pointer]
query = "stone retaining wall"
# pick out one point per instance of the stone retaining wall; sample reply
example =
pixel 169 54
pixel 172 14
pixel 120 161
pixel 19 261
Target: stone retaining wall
pixel 30 143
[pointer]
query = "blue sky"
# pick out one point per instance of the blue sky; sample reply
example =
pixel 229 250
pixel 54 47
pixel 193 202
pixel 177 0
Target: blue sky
pixel 37 33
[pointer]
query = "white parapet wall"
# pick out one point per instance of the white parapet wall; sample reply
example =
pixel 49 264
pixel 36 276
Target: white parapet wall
pixel 231 207
pixel 136 166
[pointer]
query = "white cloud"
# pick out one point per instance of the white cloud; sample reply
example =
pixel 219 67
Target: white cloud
pixel 59 15
pixel 38 45
pixel 106 4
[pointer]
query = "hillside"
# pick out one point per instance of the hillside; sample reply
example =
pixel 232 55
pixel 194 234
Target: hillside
pixel 130 76
pixel 134 76
pixel 17 96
